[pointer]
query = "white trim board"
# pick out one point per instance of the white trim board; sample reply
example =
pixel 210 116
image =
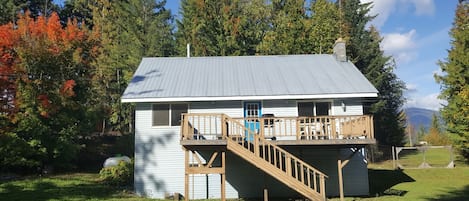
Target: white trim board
pixel 225 98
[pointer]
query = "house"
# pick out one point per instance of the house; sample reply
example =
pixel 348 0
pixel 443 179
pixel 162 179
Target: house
pixel 241 126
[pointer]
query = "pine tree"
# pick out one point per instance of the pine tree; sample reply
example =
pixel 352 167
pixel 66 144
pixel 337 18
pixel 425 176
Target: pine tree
pixel 79 10
pixel 455 81
pixel 128 31
pixel 325 26
pixel 221 28
pixel 364 51
pixel 10 9
pixel 289 32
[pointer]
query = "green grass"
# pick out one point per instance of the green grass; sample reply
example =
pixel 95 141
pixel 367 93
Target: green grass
pixel 435 157
pixel 430 184
pixel 386 184
pixel 77 186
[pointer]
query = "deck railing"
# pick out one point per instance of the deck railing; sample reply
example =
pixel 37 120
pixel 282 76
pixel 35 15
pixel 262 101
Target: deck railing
pixel 215 126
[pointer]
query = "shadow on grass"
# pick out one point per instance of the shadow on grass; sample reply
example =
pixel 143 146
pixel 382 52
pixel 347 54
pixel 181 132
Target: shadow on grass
pixel 455 195
pixel 381 181
pixel 47 189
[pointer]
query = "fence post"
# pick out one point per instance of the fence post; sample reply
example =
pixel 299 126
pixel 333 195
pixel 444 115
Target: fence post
pixel 393 158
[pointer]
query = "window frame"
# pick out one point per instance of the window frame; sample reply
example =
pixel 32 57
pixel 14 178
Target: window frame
pixel 330 110
pixel 170 114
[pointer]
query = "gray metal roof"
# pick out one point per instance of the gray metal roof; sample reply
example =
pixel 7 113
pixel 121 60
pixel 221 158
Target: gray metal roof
pixel 246 78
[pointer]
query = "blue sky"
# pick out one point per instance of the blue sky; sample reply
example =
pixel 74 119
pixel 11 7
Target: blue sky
pixel 415 33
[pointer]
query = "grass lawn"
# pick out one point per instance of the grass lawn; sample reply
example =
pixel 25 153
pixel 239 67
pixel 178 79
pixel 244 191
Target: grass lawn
pixel 435 157
pixel 419 184
pixel 431 184
pixel 77 186
pixel 389 185
pixel 386 184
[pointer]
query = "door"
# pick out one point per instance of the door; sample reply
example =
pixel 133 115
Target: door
pixel 252 110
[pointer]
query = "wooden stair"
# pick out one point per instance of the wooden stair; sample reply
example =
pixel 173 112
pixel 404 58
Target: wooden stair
pixel 273 160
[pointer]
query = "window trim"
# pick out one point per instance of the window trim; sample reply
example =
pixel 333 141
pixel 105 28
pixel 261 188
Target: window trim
pixel 331 105
pixel 170 106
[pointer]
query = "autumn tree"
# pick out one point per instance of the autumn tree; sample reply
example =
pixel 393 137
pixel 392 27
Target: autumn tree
pixel 435 135
pixel 51 73
pixel 455 81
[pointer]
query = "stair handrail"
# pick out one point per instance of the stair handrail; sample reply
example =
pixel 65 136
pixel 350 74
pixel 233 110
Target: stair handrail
pixel 288 169
pixel 273 145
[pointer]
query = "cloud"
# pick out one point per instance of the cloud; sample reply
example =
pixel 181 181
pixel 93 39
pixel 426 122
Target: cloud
pixel 438 72
pixel 400 45
pixel 424 7
pixel 398 41
pixel 385 8
pixel 411 88
pixel 382 9
pixel 429 101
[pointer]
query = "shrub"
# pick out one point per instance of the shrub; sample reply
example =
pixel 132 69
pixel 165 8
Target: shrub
pixel 120 175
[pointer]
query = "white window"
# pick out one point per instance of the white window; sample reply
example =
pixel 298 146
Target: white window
pixel 168 114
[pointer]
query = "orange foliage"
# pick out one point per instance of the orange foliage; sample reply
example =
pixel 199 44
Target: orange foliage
pixel 67 88
pixel 44 100
pixel 49 38
pixel 54 28
pixel 8 36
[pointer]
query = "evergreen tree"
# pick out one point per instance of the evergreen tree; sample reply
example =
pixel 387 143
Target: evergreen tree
pixel 288 33
pixel 79 10
pixel 9 9
pixel 128 31
pixel 455 81
pixel 221 28
pixel 325 25
pixel 364 51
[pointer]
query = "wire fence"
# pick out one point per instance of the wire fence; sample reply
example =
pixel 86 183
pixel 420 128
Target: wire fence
pixel 413 157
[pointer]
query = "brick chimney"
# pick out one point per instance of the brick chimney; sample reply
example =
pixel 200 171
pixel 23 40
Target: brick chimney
pixel 339 50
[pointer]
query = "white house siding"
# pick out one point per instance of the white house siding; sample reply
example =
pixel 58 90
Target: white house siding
pixel 280 108
pixel 230 108
pixel 159 161
pixel 352 107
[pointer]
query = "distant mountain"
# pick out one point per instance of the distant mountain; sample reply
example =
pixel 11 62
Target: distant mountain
pixel 420 116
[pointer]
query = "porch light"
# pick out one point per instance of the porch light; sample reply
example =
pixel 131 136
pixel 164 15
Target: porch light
pixel 343 106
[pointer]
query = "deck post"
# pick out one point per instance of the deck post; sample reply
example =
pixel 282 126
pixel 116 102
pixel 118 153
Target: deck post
pixel 341 182
pixel 333 132
pixel 340 165
pixel 298 129
pixel 223 176
pixel 186 175
pixel 224 127
pixel 322 186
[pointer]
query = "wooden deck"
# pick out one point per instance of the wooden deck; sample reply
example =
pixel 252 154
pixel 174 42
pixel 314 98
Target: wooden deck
pixel 211 129
pixel 259 141
pixel 332 142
